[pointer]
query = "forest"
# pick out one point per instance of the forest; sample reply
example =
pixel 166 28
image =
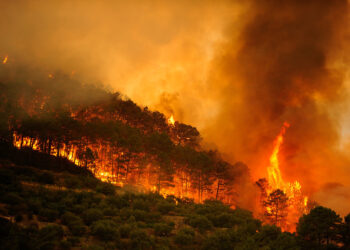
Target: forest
pixel 113 137
pixel 99 172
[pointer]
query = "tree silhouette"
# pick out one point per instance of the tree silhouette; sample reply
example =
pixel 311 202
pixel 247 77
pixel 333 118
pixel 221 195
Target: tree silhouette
pixel 276 207
pixel 320 226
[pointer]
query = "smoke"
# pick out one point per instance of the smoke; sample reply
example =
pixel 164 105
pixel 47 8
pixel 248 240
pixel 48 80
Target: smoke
pixel 235 70
pixel 285 65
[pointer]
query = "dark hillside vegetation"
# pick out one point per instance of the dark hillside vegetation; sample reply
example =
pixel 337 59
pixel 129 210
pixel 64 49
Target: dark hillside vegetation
pixel 45 209
pixel 110 135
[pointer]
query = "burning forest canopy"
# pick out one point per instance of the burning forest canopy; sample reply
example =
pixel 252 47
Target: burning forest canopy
pixel 239 72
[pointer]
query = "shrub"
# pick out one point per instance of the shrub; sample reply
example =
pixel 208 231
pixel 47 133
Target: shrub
pixel 13 199
pixel 77 227
pixel 165 207
pixel 140 240
pixel 46 178
pixel 105 230
pixel 91 215
pixel 65 244
pixel 125 230
pixel 141 205
pixel 47 214
pixel 117 202
pixel 74 241
pixel 219 240
pixel 162 229
pixel 51 233
pixel 184 237
pixel 110 211
pixel 74 223
pixel 200 222
pixel 69 217
pixel 106 188
pixel 72 182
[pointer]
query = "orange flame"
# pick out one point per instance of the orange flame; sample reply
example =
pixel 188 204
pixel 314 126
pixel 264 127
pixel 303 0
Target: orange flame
pixel 297 202
pixel 171 120
pixel 5 60
pixel 274 173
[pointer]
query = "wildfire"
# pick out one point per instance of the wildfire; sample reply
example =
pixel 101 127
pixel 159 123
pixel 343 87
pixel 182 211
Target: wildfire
pixel 5 60
pixel 274 173
pixel 297 202
pixel 171 120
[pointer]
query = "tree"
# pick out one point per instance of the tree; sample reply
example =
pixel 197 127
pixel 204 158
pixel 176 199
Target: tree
pixel 345 232
pixel 276 207
pixel 320 226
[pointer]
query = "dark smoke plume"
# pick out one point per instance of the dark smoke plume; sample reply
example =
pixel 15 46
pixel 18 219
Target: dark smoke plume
pixel 284 68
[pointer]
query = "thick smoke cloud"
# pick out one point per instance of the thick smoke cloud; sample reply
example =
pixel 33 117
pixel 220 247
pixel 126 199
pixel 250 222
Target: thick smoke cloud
pixel 284 66
pixel 235 70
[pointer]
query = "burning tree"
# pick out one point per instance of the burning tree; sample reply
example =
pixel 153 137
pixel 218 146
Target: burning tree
pixel 282 201
pixel 276 207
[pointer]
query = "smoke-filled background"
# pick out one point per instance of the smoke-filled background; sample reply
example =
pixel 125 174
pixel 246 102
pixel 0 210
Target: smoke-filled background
pixel 236 71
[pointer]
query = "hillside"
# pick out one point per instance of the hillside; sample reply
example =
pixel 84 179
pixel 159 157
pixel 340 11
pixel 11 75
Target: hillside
pixel 46 209
pixel 113 137
pixel 84 168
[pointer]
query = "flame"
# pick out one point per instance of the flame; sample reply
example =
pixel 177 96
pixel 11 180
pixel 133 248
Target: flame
pixel 171 120
pixel 50 76
pixel 297 202
pixel 5 60
pixel 274 173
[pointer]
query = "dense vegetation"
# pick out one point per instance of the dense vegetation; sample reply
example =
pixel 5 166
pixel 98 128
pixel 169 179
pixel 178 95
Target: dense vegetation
pixel 112 136
pixel 48 208
pixel 65 137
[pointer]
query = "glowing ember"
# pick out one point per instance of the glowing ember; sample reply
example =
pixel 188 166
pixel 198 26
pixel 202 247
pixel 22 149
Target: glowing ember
pixel 171 120
pixel 5 60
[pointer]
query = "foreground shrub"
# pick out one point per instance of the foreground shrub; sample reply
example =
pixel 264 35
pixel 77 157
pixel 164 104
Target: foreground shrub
pixel 184 237
pixel 162 229
pixel 105 230
pixel 200 222
pixel 91 215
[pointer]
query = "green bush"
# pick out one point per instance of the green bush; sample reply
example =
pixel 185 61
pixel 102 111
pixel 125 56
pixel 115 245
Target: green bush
pixel 117 202
pixel 69 217
pixel 200 222
pixel 46 178
pixel 110 211
pixel 162 229
pixel 12 198
pixel 72 182
pixel 46 214
pixel 77 227
pixel 219 240
pixel 140 240
pixel 141 205
pixel 125 230
pixel 91 215
pixel 165 207
pixel 51 233
pixel 74 223
pixel 105 230
pixel 184 237
pixel 106 188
